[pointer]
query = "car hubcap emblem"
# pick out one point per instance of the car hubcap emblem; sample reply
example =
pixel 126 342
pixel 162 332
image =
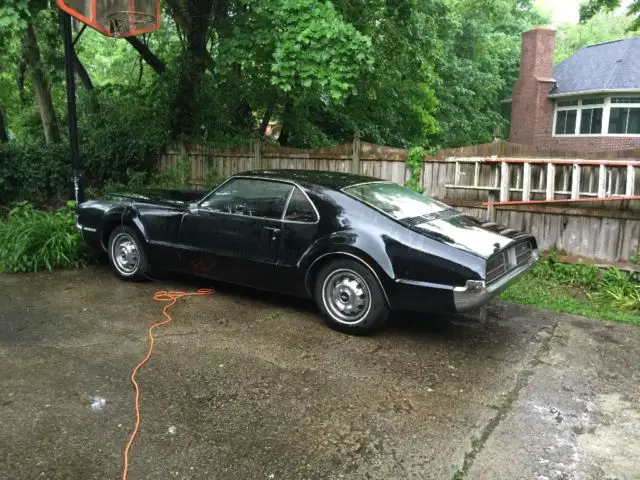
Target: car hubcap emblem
pixel 125 254
pixel 346 296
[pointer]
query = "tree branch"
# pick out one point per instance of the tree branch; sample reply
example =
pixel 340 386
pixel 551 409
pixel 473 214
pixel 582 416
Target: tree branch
pixel 82 73
pixel 148 56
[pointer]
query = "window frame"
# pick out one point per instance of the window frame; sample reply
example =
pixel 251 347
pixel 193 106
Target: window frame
pixel 628 107
pixel 606 106
pixel 304 194
pixel 198 206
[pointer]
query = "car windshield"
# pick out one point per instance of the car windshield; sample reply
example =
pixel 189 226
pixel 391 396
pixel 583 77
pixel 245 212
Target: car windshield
pixel 395 200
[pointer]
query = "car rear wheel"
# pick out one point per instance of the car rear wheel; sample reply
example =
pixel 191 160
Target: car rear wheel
pixel 350 297
pixel 126 254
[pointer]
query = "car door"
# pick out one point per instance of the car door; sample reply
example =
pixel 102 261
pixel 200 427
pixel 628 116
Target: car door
pixel 300 228
pixel 233 234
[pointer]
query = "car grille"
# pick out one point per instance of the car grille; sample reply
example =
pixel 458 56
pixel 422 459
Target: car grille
pixel 508 259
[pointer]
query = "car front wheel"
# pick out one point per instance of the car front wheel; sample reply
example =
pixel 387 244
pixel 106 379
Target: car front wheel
pixel 350 297
pixel 126 254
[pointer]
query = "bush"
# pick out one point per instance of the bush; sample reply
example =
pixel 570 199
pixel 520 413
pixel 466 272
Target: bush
pixel 124 135
pixel 620 290
pixel 33 171
pixel 612 287
pixel 32 240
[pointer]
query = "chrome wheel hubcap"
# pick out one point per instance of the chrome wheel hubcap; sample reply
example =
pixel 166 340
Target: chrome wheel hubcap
pixel 124 252
pixel 346 296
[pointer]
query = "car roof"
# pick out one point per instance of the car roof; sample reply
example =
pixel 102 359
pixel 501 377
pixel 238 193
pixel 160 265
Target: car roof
pixel 333 180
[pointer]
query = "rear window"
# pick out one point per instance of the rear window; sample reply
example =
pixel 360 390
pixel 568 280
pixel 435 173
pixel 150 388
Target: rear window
pixel 395 200
pixel 300 209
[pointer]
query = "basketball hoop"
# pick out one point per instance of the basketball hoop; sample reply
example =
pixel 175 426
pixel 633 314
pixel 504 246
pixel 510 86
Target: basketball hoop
pixel 123 22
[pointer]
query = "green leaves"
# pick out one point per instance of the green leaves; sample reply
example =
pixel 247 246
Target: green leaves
pixel 591 8
pixel 415 165
pixel 299 45
pixel 14 15
pixel 32 240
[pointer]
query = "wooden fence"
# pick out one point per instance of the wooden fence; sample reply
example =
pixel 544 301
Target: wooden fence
pixel 469 177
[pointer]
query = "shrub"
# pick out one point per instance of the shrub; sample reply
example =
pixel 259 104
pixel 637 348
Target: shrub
pixel 415 165
pixel 620 290
pixel 612 287
pixel 32 240
pixel 33 170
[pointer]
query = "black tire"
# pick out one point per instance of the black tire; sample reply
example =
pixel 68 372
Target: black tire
pixel 350 297
pixel 127 255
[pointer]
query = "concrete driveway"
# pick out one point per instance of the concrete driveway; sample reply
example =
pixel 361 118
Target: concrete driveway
pixel 247 385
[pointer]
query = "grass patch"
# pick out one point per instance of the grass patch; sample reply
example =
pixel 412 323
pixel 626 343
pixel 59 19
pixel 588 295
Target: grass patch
pixel 32 240
pixel 579 289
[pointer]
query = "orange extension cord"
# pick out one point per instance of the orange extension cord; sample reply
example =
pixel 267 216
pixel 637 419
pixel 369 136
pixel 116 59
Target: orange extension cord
pixel 161 296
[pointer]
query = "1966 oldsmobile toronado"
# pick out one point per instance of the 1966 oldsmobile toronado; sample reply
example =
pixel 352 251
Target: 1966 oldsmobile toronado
pixel 357 245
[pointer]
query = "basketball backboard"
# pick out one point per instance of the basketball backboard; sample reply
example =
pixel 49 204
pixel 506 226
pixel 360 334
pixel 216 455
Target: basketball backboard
pixel 116 18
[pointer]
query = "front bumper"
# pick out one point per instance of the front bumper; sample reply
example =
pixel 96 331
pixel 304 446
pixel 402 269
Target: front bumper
pixel 476 293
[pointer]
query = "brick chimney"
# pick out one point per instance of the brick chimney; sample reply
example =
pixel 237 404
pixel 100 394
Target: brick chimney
pixel 531 109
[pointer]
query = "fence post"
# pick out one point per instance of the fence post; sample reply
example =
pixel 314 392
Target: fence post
pixel 257 156
pixel 491 209
pixel 355 159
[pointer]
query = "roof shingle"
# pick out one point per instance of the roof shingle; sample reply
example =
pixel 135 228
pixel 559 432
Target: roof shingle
pixel 606 66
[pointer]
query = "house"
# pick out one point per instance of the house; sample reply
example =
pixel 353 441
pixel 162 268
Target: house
pixel 589 102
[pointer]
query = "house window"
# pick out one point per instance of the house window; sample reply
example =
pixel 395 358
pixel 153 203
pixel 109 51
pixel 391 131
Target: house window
pixel 591 116
pixel 566 122
pixel 598 116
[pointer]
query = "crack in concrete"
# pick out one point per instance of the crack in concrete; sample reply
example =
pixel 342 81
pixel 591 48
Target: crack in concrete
pixel 522 379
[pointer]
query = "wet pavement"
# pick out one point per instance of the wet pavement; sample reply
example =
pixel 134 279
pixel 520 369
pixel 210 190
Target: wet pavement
pixel 248 385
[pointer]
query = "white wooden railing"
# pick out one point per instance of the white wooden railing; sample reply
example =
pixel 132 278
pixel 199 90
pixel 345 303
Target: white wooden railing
pixel 513 181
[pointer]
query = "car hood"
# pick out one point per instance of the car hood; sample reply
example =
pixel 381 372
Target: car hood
pixel 465 232
pixel 159 196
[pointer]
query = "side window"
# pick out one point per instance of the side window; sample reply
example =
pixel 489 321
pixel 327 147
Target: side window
pixel 253 198
pixel 300 209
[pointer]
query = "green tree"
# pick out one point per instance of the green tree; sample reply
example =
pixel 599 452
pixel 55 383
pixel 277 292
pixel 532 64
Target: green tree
pixel 590 8
pixel 480 66
pixel 602 27
pixel 20 46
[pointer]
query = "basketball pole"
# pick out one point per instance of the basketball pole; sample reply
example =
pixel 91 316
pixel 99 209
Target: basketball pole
pixel 69 57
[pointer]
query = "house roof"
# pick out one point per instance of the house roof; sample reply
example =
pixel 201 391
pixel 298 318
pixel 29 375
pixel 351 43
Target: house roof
pixel 610 66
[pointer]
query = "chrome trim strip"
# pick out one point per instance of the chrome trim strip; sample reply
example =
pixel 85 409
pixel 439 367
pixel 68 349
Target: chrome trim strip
pixel 251 177
pixel 363 183
pixel 306 276
pixel 286 204
pixel 417 283
pixel 89 229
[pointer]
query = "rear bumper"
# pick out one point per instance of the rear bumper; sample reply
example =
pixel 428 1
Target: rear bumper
pixel 476 293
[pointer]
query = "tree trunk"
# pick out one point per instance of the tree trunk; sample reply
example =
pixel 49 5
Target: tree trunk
pixel 147 55
pixel 186 106
pixel 183 24
pixel 40 86
pixel 266 118
pixel 4 135
pixel 287 119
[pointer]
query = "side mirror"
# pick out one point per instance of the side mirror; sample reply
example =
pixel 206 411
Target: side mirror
pixel 193 208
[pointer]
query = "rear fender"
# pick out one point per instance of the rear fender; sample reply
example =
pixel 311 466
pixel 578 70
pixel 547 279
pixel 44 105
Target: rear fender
pixel 335 246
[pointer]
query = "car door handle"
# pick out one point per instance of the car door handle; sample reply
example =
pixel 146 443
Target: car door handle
pixel 274 232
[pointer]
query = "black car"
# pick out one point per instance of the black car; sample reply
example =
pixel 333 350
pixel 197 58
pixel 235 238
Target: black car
pixel 358 245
